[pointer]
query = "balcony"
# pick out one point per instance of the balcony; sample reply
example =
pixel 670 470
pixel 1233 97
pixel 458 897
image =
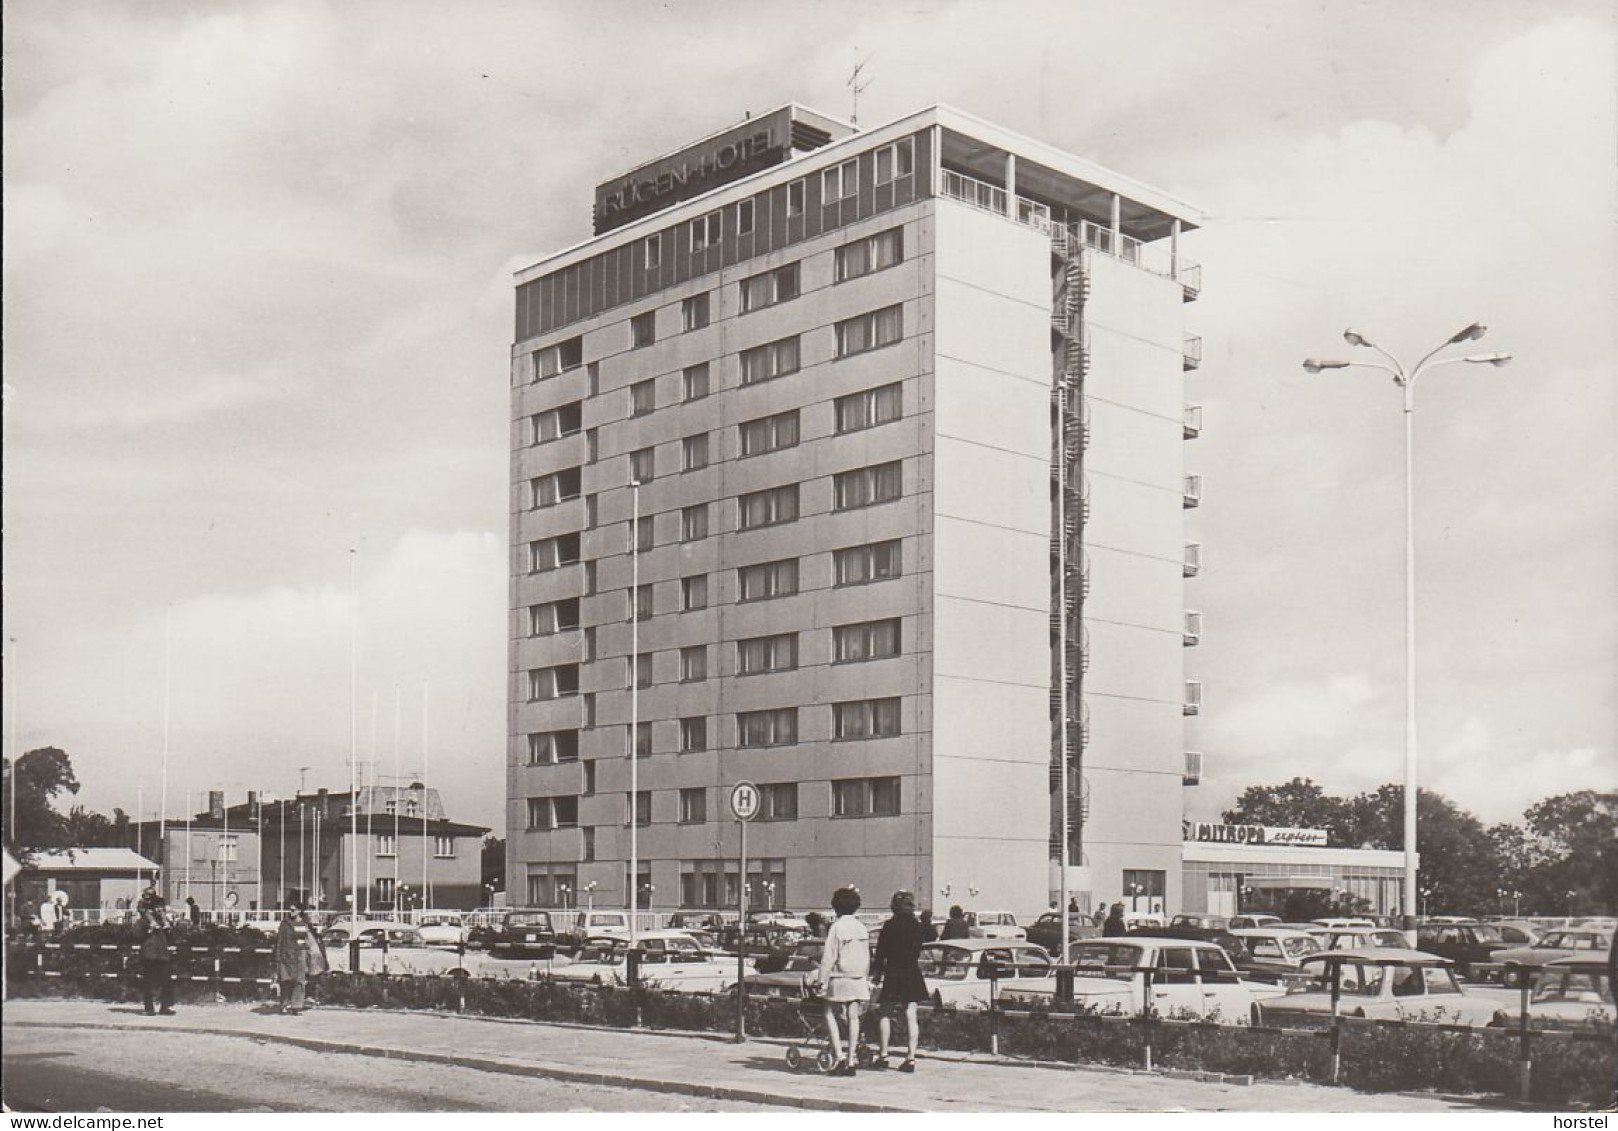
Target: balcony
pixel 979 194
pixel 1191 352
pixel 1191 425
pixel 1191 634
pixel 1192 564
pixel 1192 492
pixel 1193 698
pixel 1193 768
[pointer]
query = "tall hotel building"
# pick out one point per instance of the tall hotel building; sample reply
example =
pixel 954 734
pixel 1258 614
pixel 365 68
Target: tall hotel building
pixel 852 464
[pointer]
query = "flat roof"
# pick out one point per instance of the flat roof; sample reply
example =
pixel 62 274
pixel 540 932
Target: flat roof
pixel 90 860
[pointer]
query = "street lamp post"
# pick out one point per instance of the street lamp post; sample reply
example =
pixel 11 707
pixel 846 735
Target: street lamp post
pixel 1406 380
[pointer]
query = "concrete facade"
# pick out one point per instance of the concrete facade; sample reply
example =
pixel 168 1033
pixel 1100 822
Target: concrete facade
pixel 852 609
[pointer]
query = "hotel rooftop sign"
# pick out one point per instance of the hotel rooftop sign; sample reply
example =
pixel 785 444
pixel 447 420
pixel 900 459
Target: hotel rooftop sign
pixel 730 155
pixel 1204 832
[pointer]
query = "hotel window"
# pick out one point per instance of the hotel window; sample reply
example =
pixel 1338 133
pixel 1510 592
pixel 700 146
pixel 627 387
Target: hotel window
pixel 868 409
pixel 559 358
pixel 643 465
pixel 770 288
pixel 643 603
pixel 593 373
pixel 769 361
pixel 558 487
pixel 768 580
pixel 553 553
pixel 767 728
pixel 795 197
pixel 706 230
pixel 894 161
pixel 694 522
pixel 549 885
pixel 564 815
pixel 694 592
pixel 693 735
pixel 589 839
pixel 694 663
pixel 643 740
pixel 553 683
pixel 546 748
pixel 654 251
pixel 769 433
pixel 643 329
pixel 643 808
pixel 865 797
pixel 387 846
pixel 865 718
pixel 867 486
pixel 870 331
pixel 384 890
pixel 444 846
pixel 694 452
pixel 694 806
pixel 558 422
pixel 643 670
pixel 590 508
pixel 769 507
pixel 589 777
pixel 696 381
pixel 592 445
pixel 392 806
pixel 589 709
pixel 779 801
pixel 553 617
pixel 744 218
pixel 642 397
pixel 839 181
pixel 870 640
pixel 694 311
pixel 871 254
pixel 645 529
pixel 762 654
pixel 861 565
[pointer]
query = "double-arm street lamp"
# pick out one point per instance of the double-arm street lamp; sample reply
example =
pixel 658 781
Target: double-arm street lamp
pixel 1406 380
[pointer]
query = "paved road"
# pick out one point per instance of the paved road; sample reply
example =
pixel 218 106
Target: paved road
pixel 59 1070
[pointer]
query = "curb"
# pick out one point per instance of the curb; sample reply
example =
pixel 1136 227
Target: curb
pixel 508 1068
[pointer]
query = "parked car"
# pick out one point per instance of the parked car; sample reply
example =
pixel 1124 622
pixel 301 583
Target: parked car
pixel 1358 921
pixel 957 972
pixel 1521 963
pixel 770 946
pixel 788 981
pixel 785 920
pixel 1256 919
pixel 524 934
pixel 1518 933
pixel 1276 954
pixel 1136 920
pixel 994 925
pixel 442 928
pixel 578 927
pixel 1227 941
pixel 1382 983
pixel 371 933
pixel 1046 931
pixel 406 952
pixel 1202 922
pixel 1190 978
pixel 1351 938
pixel 1571 993
pixel 669 960
pixel 1467 944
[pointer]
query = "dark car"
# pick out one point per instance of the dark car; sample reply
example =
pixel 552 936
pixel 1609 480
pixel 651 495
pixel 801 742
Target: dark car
pixel 1465 944
pixel 1046 931
pixel 523 934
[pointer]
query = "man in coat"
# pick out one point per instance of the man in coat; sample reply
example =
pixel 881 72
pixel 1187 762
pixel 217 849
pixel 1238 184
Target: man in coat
pixel 156 964
pixel 292 960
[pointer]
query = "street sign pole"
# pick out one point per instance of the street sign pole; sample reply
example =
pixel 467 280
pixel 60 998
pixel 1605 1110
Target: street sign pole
pixel 744 804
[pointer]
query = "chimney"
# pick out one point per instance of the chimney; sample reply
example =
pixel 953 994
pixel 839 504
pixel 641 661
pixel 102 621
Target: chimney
pixel 321 797
pixel 216 804
pixel 252 798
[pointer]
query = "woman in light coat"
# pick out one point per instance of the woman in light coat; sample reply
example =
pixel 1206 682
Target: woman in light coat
pixel 844 977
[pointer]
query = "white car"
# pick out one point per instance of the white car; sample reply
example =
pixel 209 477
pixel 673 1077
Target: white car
pixel 1365 923
pixel 994 925
pixel 1383 983
pixel 1189 979
pixel 442 928
pixel 957 971
pixel 670 960
pixel 1349 938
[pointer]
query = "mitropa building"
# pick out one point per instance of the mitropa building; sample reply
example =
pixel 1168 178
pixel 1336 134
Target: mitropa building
pixel 852 464
pixel 1230 869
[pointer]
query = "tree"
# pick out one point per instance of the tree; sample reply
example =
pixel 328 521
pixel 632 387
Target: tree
pixel 1299 803
pixel 1460 868
pixel 1575 852
pixel 494 863
pixel 38 777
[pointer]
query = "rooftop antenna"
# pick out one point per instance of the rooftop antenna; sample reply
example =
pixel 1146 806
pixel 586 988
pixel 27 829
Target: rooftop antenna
pixel 857 87
pixel 303 776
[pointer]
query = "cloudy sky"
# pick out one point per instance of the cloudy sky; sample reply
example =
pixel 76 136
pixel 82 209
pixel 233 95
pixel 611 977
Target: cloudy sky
pixel 258 264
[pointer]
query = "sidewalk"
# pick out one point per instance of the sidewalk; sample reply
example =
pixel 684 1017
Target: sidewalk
pixel 707 1065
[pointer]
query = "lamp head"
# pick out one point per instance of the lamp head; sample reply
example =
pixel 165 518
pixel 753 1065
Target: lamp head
pixel 1354 338
pixel 1494 359
pixel 1471 334
pixel 1316 364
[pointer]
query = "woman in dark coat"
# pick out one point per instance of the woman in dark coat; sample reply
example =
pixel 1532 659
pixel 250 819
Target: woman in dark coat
pixel 291 961
pixel 898 948
pixel 1115 922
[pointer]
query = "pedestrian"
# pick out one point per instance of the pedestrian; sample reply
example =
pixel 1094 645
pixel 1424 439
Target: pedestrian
pixel 845 967
pixel 1115 922
pixel 50 915
pixel 150 898
pixel 955 926
pixel 156 965
pixel 1100 917
pixel 1073 904
pixel 816 924
pixel 193 912
pixel 897 963
pixel 929 932
pixel 291 960
pixel 319 966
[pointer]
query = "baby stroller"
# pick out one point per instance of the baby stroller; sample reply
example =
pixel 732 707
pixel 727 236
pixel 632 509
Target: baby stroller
pixel 815 1046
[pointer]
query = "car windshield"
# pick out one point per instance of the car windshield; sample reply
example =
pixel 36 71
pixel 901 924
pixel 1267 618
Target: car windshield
pixel 539 920
pixel 996 919
pixel 1394 939
pixel 949 962
pixel 1487 932
pixel 1023 962
pixel 1297 946
pixel 1095 956
pixel 1358 979
pixel 1579 986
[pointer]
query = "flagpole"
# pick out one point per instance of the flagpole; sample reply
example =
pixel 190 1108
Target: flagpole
pixel 398 704
pixel 188 809
pixel 425 894
pixel 370 806
pixel 163 794
pixel 353 735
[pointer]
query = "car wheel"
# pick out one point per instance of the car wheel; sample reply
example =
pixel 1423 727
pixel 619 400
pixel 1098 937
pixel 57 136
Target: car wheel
pixel 460 972
pixel 1512 977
